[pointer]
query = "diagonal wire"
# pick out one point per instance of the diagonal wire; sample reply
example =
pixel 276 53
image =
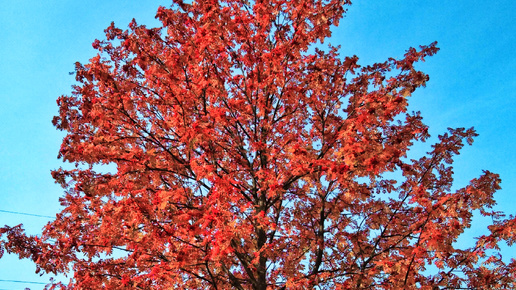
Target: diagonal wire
pixel 26 282
pixel 28 214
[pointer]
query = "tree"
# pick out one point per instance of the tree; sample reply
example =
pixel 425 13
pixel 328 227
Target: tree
pixel 245 158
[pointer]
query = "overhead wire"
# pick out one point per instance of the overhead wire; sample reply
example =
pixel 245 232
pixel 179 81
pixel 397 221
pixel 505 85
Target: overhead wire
pixel 27 214
pixel 25 282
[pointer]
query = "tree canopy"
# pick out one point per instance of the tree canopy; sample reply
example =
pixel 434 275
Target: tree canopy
pixel 246 158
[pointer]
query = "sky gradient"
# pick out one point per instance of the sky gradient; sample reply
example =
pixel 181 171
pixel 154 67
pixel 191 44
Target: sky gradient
pixel 472 84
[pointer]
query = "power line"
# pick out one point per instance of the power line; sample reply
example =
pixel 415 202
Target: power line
pixel 28 214
pixel 25 282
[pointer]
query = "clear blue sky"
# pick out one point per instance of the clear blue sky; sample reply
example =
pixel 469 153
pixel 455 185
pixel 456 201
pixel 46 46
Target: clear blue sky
pixel 472 83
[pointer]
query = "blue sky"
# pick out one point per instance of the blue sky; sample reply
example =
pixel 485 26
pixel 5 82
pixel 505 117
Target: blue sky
pixel 472 83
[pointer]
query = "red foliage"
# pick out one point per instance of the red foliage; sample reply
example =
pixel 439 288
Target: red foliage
pixel 243 160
